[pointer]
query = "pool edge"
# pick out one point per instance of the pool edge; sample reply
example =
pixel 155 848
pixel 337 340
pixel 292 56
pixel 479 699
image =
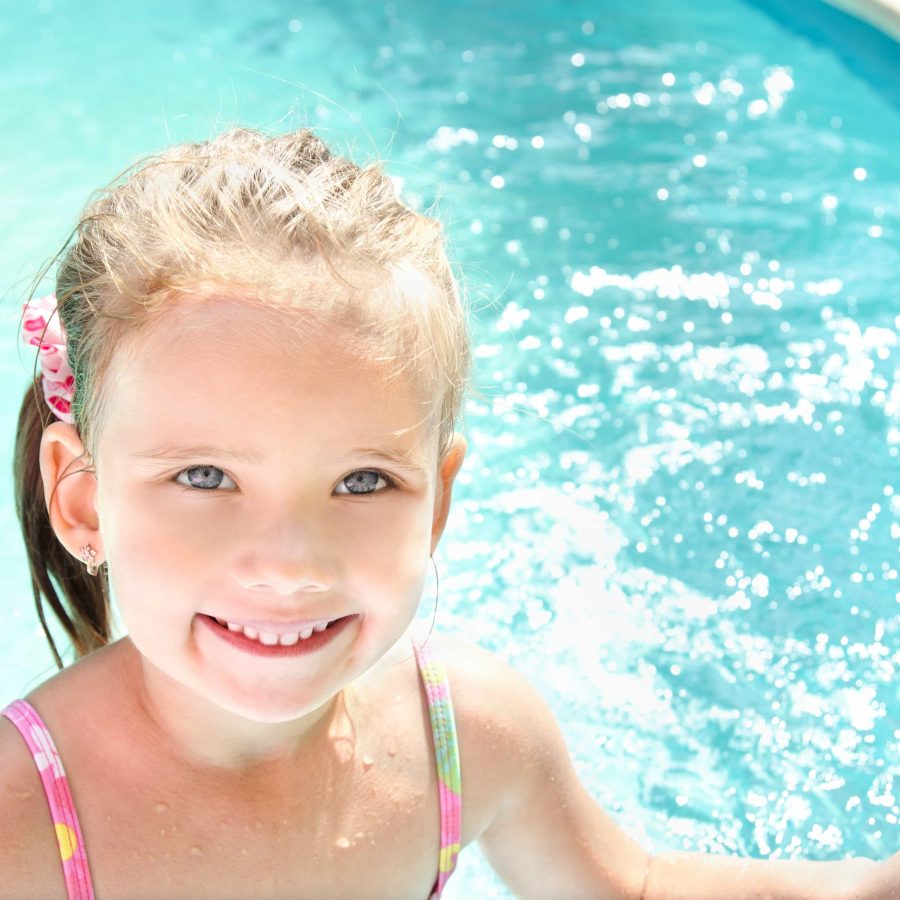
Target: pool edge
pixel 881 14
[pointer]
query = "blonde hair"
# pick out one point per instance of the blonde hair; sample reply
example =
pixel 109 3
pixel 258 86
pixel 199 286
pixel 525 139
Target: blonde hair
pixel 274 217
pixel 263 214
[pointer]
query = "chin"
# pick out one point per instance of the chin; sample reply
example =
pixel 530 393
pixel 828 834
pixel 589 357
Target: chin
pixel 271 711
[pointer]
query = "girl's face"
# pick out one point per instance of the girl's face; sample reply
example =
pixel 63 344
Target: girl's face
pixel 281 483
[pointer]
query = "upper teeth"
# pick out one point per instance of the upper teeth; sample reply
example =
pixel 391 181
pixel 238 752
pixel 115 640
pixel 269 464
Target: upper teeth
pixel 267 637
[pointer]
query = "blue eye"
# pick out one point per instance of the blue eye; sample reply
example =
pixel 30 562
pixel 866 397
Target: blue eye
pixel 365 481
pixel 204 478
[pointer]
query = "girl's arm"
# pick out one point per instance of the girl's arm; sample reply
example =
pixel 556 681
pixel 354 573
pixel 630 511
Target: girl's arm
pixel 692 876
pixel 547 838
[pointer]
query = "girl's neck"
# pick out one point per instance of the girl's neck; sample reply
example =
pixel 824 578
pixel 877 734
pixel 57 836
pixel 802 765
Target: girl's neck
pixel 197 733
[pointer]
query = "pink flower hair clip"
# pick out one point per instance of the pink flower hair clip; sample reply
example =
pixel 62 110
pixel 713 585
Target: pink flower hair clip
pixel 42 328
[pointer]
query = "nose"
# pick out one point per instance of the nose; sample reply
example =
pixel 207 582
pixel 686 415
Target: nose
pixel 286 559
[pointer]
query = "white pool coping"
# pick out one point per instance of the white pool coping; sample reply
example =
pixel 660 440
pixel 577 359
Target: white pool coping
pixel 883 14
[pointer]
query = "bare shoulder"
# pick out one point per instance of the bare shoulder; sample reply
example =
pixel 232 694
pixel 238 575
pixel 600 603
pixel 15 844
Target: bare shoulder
pixel 507 733
pixel 537 825
pixel 490 695
pixel 30 865
pixel 28 845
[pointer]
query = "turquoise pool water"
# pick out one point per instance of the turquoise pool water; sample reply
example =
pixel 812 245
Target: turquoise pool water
pixel 678 228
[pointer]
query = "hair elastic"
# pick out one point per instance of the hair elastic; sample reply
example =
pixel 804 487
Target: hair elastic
pixel 42 328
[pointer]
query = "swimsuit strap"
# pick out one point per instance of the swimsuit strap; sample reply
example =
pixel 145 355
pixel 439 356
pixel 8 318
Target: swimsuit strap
pixel 446 752
pixel 68 831
pixel 56 786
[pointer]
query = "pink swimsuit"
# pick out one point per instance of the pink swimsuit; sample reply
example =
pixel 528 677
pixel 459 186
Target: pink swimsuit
pixel 68 831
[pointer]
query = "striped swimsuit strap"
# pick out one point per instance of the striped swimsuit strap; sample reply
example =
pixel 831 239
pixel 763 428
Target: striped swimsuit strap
pixel 76 872
pixel 446 752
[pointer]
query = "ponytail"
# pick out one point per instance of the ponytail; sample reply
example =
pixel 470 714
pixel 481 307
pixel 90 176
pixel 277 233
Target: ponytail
pixel 86 620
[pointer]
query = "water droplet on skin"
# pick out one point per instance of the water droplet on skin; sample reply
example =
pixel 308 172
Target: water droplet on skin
pixel 342 842
pixel 160 808
pixel 196 851
pixel 367 762
pixel 392 751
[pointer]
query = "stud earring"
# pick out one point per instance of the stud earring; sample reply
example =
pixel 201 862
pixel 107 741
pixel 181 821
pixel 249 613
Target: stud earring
pixel 88 557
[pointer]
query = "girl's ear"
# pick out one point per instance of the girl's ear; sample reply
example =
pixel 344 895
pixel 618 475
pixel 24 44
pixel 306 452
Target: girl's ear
pixel 70 489
pixel 447 472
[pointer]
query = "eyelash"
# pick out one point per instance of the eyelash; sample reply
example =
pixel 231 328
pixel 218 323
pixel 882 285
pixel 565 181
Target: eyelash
pixel 389 481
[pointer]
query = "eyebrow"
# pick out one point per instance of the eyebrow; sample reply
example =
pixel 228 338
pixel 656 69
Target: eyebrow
pixel 170 452
pixel 173 453
pixel 394 457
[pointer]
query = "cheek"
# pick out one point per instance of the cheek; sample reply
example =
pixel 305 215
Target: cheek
pixel 153 520
pixel 391 548
pixel 146 547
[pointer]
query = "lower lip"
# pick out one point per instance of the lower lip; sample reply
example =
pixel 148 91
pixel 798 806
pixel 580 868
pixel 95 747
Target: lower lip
pixel 278 651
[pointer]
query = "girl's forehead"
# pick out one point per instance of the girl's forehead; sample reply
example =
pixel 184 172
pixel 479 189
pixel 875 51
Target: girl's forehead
pixel 228 364
pixel 231 334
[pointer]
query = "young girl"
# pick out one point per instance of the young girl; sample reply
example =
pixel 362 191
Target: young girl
pixel 243 429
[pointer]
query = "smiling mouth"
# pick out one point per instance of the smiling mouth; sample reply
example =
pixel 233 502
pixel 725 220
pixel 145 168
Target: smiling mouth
pixel 270 639
pixel 262 643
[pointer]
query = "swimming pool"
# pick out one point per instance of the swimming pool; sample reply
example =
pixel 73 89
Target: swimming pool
pixel 678 228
